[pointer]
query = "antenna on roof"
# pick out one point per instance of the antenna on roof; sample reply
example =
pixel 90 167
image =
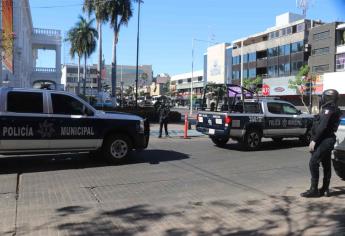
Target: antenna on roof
pixel 304 5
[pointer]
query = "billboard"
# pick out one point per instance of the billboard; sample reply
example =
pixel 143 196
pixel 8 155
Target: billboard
pixel 7 34
pixel 278 86
pixel 216 64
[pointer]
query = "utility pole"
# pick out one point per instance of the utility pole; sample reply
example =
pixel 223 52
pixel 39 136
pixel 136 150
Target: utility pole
pixel 137 69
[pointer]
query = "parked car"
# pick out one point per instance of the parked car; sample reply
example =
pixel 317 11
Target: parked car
pixel 48 121
pixel 338 157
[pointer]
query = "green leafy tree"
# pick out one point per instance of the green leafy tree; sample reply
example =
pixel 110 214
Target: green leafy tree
pixel 83 40
pixel 99 9
pixel 253 84
pixel 119 12
pixel 301 83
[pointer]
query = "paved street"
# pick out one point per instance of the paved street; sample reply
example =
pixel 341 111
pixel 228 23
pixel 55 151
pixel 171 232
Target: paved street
pixel 176 187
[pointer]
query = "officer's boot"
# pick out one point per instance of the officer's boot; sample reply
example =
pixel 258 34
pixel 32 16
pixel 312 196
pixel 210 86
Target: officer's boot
pixel 324 190
pixel 313 191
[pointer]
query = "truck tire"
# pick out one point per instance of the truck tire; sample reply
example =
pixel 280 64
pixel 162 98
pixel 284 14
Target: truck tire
pixel 252 139
pixel 220 141
pixel 117 148
pixel 306 138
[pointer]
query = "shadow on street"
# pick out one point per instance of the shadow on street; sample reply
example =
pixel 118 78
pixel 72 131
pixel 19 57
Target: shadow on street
pixel 267 146
pixel 42 163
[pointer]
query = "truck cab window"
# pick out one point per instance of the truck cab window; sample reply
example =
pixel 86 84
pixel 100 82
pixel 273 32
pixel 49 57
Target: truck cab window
pixel 67 105
pixel 275 108
pixel 25 102
pixel 289 110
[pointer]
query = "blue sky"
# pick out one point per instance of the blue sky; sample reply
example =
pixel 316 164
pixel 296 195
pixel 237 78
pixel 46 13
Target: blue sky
pixel 168 27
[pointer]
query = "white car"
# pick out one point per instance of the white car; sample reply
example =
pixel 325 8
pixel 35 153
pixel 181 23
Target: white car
pixel 339 151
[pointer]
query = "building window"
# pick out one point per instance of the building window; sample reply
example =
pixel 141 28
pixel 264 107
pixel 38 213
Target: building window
pixel 321 35
pixel 245 74
pixel 180 81
pixel 297 47
pixel 199 78
pixel 252 73
pixel 245 58
pixel 283 32
pixel 272 71
pixel 288 30
pixel 272 52
pixel 321 68
pixel 320 51
pixel 284 50
pixel 236 60
pixel 295 66
pixel 189 80
pixel 340 62
pixel 284 69
pixel 236 75
pixel 300 27
pixel 252 57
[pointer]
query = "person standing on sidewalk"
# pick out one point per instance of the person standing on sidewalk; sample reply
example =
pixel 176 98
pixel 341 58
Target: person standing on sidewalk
pixel 163 111
pixel 322 143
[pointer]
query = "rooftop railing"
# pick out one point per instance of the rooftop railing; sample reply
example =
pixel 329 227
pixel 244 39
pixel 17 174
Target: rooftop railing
pixel 47 32
pixel 44 70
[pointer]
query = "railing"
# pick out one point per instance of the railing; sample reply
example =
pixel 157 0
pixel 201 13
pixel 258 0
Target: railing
pixel 44 70
pixel 47 32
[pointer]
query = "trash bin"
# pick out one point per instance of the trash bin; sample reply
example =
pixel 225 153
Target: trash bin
pixel 339 163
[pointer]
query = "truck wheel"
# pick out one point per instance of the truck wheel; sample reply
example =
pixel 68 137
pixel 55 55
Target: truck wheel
pixel 220 142
pixel 117 148
pixel 252 139
pixel 305 139
pixel 277 140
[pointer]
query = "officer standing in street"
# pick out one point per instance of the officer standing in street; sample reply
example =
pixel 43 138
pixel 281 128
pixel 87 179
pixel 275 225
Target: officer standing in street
pixel 163 111
pixel 322 143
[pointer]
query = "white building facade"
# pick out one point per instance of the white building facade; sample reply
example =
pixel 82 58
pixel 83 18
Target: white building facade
pixel 19 58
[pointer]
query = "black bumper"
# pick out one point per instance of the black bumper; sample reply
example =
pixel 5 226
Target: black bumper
pixel 339 163
pixel 141 140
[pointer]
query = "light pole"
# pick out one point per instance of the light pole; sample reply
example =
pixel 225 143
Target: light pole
pixel 137 68
pixel 191 80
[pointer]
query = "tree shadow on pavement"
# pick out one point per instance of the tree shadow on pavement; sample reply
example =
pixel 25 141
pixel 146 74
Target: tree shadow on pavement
pixel 43 163
pixel 273 215
pixel 267 145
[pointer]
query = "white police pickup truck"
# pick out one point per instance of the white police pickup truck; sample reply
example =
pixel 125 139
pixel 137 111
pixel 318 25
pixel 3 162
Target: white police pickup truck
pixel 339 151
pixel 48 121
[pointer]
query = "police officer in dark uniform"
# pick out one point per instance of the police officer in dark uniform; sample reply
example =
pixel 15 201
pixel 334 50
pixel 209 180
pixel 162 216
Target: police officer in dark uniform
pixel 322 143
pixel 163 111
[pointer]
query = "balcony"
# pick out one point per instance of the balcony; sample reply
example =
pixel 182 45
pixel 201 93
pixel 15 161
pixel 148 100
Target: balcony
pixel 45 74
pixel 46 37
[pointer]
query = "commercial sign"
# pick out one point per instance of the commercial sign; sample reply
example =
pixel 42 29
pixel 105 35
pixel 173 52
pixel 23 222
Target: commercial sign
pixel 334 80
pixel 216 64
pixel 278 87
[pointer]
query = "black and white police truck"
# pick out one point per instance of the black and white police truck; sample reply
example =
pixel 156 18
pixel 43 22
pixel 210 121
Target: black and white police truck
pixel 231 111
pixel 47 121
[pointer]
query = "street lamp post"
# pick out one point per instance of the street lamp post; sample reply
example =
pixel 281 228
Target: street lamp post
pixel 137 68
pixel 191 80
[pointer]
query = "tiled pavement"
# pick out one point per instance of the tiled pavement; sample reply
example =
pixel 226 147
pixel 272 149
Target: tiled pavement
pixel 181 187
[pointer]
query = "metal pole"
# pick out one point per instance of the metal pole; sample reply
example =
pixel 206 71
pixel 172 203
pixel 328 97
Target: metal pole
pixel 191 81
pixel 242 69
pixel 310 94
pixel 137 69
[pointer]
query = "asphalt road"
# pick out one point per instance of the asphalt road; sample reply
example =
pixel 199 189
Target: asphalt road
pixel 175 187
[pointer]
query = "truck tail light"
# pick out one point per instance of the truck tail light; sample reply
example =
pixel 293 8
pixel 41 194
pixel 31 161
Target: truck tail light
pixel 227 120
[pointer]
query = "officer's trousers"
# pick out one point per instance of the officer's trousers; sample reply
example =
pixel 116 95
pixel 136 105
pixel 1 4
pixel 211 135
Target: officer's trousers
pixel 322 154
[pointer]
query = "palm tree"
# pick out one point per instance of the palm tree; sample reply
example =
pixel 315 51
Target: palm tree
pixel 119 13
pixel 84 38
pixel 75 49
pixel 99 8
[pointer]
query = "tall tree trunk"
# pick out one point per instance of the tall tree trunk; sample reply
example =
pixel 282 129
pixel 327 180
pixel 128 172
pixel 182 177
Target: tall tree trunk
pixel 100 65
pixel 113 69
pixel 84 82
pixel 78 85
